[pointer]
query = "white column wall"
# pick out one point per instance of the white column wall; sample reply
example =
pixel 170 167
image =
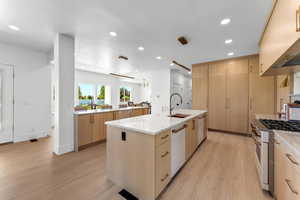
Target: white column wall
pixel 64 94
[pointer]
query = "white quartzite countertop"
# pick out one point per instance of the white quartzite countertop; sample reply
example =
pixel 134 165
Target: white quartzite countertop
pixel 155 123
pixel 85 112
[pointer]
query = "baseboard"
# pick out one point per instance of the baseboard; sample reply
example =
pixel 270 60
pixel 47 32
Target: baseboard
pixel 5 140
pixel 28 137
pixel 64 149
pixel 230 132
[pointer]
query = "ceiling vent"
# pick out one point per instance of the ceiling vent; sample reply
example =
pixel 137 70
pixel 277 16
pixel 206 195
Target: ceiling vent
pixel 123 57
pixel 183 40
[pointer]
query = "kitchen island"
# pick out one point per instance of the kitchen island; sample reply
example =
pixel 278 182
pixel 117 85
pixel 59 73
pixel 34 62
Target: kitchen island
pixel 144 153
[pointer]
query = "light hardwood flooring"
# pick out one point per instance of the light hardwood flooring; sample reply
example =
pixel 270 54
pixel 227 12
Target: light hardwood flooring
pixel 222 169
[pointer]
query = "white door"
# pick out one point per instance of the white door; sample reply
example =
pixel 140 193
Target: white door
pixel 6 103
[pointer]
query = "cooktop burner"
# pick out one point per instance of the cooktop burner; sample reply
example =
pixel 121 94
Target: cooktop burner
pixel 292 125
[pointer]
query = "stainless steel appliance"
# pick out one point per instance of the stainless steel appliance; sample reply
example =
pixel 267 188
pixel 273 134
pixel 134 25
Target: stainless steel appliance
pixel 263 136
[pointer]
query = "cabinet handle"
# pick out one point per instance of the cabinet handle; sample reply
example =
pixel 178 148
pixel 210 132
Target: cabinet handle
pixel 297 20
pixel 165 154
pixel 276 142
pixel 164 137
pixel 194 125
pixel 289 183
pixel 290 157
pixel 164 178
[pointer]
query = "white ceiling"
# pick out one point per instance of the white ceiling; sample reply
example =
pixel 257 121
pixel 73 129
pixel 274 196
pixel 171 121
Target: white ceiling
pixel 154 25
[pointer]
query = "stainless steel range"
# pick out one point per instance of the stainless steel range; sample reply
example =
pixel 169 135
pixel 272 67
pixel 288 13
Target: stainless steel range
pixel 263 136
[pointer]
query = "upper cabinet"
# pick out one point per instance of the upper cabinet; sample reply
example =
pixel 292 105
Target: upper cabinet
pixel 279 44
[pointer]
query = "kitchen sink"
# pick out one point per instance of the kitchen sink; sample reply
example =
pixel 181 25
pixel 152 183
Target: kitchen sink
pixel 178 115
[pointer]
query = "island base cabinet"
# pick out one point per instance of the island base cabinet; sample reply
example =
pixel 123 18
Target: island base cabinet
pixel 136 163
pixel 287 173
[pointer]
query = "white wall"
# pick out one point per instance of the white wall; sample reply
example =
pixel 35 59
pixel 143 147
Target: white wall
pixel 158 91
pixel 32 115
pixel 297 86
pixel 181 84
pixel 113 82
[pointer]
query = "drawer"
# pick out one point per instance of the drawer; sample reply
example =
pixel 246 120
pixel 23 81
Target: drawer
pixel 163 167
pixel 163 137
pixel 287 173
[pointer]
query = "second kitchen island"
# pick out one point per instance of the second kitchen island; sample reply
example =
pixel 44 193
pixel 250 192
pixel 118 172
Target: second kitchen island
pixel 144 153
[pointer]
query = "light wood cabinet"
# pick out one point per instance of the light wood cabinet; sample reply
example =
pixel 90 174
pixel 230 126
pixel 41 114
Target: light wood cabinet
pixel 200 86
pixel 237 94
pixel 228 95
pixel 191 138
pixel 162 165
pixel 141 163
pixel 280 33
pixel 98 127
pixel 137 112
pixel 287 173
pixel 217 95
pixel 261 91
pixel 123 114
pixel 85 132
pixel 91 128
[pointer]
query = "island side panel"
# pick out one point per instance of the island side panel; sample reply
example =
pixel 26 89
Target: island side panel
pixel 131 163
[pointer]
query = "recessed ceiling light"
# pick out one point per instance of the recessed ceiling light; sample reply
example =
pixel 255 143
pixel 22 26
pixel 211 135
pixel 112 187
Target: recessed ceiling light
pixel 114 34
pixel 13 27
pixel 225 21
pixel 172 64
pixel 230 54
pixel 158 57
pixel 189 72
pixel 228 41
pixel 141 48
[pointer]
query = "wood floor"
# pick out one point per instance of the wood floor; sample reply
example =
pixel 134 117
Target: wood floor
pixel 222 169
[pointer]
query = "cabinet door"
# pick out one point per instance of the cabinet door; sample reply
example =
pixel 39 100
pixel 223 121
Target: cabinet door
pixel 194 135
pixel 137 112
pixel 123 114
pixel 200 86
pixel 109 116
pixel 237 95
pixel 217 95
pixel 98 123
pixel 261 91
pixel 84 130
pixel 280 33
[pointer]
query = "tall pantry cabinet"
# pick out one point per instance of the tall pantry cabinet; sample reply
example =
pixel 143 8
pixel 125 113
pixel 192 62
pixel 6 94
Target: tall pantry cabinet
pixel 229 92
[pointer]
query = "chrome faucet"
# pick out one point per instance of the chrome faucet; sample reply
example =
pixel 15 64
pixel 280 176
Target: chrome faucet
pixel 172 95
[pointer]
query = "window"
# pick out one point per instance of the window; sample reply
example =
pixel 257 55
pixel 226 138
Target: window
pixel 85 94
pixel 125 94
pixel 100 95
pixel 96 94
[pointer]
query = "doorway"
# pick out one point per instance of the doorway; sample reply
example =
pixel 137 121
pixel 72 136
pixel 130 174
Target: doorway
pixel 6 103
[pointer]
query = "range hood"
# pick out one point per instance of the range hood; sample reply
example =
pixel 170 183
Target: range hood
pixel 289 62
